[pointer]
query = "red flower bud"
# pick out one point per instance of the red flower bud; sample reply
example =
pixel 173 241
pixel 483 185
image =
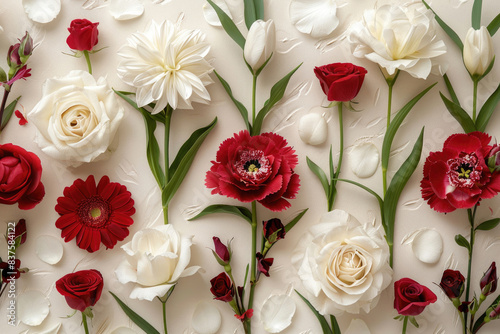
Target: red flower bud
pixel 263 265
pixel 11 271
pixel 222 288
pixel 26 45
pixel 273 226
pixel 452 283
pixel 247 314
pixel 488 283
pixel 82 35
pixel 21 231
pixel 13 58
pixel 221 253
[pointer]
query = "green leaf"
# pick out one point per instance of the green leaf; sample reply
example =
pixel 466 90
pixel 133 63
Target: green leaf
pixel 479 322
pixel 379 199
pixel 459 114
pixel 152 147
pixel 229 25
pixel 137 319
pixel 259 9
pixel 453 35
pixel 324 324
pixel 183 167
pixel 7 113
pixel 295 220
pixel 413 321
pixel 476 14
pixel 250 15
pixel 238 104
pixel 240 211
pixel 276 94
pixel 397 185
pixel 461 241
pixel 494 25
pixel 395 124
pixel 453 95
pixel 487 110
pixel 335 324
pixel 488 225
pixel 320 174
pixel 3 75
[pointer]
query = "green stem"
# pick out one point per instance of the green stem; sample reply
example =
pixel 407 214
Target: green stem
pixel 87 58
pixel 474 101
pixel 463 322
pixel 471 215
pixel 341 154
pixel 253 266
pixel 405 324
pixel 165 317
pixel 390 82
pixel 2 107
pixel 168 117
pixel 389 104
pixel 254 93
pixel 84 321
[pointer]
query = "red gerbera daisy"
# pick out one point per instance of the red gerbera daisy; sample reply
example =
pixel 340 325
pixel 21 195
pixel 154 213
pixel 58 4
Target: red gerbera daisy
pixel 95 214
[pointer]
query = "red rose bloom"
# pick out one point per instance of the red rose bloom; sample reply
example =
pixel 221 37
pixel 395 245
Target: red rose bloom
pixel 340 81
pixel 452 283
pixel 411 298
pixel 82 35
pixel 81 289
pixel 95 214
pixel 20 177
pixel 222 288
pixel 255 168
pixel 458 177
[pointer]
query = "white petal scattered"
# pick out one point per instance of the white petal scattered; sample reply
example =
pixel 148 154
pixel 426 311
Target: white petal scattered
pixel 210 14
pixel 313 129
pixel 364 159
pixel 123 330
pixel 357 326
pixel 52 330
pixel 42 11
pixel 125 9
pixel 277 312
pixel 49 249
pixel 427 245
pixel 32 307
pixel 206 318
pixel 317 18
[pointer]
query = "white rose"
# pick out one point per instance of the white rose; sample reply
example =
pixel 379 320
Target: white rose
pixel 398 38
pixel 260 43
pixel 77 118
pixel 478 51
pixel 343 265
pixel 156 259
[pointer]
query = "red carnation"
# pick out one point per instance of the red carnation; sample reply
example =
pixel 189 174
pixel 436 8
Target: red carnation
pixel 95 214
pixel 255 168
pixel 340 81
pixel 458 177
pixel 411 298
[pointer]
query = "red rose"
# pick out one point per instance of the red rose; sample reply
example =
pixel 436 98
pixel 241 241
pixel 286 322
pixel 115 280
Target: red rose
pixel 271 227
pixel 20 174
pixel 82 35
pixel 257 168
pixel 81 289
pixel 340 81
pixel 222 288
pixel 458 177
pixel 452 283
pixel 411 298
pixel 222 253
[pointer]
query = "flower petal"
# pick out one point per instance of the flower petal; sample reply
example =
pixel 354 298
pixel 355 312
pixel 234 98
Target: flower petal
pixel 364 159
pixel 427 245
pixel 32 307
pixel 42 11
pixel 125 9
pixel 206 318
pixel 48 249
pixel 277 312
pixel 315 17
pixel 210 14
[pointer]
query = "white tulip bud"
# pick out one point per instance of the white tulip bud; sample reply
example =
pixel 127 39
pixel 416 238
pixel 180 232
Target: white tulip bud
pixel 260 43
pixel 478 51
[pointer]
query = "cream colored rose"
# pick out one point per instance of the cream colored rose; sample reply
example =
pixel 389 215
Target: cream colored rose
pixel 156 259
pixel 343 265
pixel 398 38
pixel 478 51
pixel 77 118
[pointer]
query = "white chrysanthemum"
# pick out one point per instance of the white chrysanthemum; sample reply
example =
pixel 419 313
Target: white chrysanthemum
pixel 167 65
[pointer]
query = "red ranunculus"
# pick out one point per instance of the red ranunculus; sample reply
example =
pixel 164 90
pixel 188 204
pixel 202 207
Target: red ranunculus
pixel 340 81
pixel 411 298
pixel 81 289
pixel 458 177
pixel 222 288
pixel 255 168
pixel 20 177
pixel 82 35
pixel 452 283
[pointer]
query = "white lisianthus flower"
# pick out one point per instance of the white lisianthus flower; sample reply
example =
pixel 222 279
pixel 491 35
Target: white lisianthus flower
pixel 343 264
pixel 398 38
pixel 478 51
pixel 77 118
pixel 156 259
pixel 260 43
pixel 167 65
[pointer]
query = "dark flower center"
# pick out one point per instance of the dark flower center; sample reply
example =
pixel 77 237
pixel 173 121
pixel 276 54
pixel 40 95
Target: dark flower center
pixel 94 212
pixel 464 171
pixel 252 166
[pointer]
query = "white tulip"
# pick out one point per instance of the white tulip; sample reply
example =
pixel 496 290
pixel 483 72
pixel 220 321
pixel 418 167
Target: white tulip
pixel 478 51
pixel 260 43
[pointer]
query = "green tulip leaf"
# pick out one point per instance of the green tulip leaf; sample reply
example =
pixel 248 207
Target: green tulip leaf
pixel 459 114
pixel 453 35
pixel 137 319
pixel 259 9
pixel 487 110
pixel 249 9
pixel 453 95
pixel 240 211
pixel 243 111
pixel 320 175
pixel 324 324
pixel 488 225
pixel 7 113
pixel 370 191
pixel 295 220
pixel 335 324
pixel 228 25
pixel 476 14
pixel 494 25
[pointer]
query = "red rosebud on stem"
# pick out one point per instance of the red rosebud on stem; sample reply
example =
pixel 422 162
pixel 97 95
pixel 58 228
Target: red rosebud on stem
pixel 273 230
pixel 222 288
pixel 222 253
pixel 452 283
pixel 340 81
pixel 20 232
pixel 488 283
pixel 411 298
pixel 83 35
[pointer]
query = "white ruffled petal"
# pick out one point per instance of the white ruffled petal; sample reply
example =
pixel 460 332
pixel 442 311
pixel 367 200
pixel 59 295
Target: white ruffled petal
pixel 42 11
pixel 364 159
pixel 210 14
pixel 277 312
pixel 427 245
pixel 315 17
pixel 48 249
pixel 125 9
pixel 206 318
pixel 32 307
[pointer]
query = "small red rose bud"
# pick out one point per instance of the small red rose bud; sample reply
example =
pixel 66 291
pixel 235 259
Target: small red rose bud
pixel 222 288
pixel 488 283
pixel 20 232
pixel 26 47
pixel 263 265
pixel 452 283
pixel 222 253
pixel 13 58
pixel 273 230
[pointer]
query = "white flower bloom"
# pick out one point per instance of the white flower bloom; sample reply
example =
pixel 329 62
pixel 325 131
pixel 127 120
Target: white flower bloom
pixel 260 43
pixel 478 51
pixel 167 66
pixel 156 259
pixel 77 118
pixel 398 38
pixel 343 265
pixel 317 18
